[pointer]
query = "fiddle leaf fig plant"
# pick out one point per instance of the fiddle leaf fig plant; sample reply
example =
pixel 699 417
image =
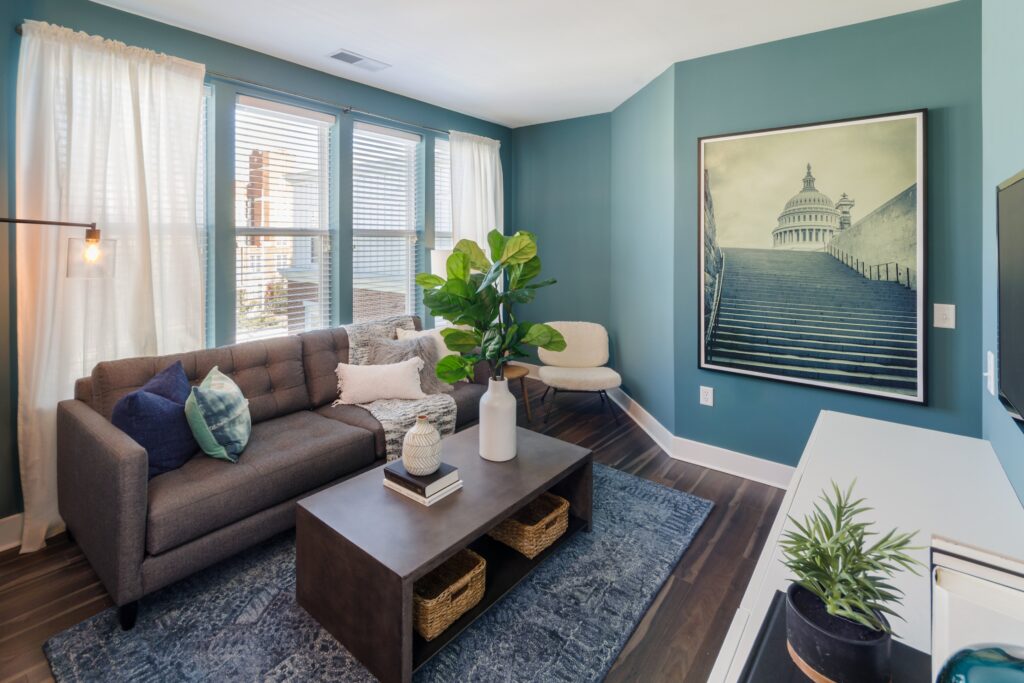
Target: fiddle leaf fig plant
pixel 831 555
pixel 478 298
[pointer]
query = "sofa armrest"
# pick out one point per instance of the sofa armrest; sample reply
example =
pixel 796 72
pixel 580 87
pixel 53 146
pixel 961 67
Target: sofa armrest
pixel 102 489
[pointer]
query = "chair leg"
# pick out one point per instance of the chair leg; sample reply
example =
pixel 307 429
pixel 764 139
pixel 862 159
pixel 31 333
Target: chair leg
pixel 526 399
pixel 611 405
pixel 547 412
pixel 545 394
pixel 127 614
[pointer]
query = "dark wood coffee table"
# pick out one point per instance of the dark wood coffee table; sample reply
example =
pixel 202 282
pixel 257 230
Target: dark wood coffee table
pixel 360 547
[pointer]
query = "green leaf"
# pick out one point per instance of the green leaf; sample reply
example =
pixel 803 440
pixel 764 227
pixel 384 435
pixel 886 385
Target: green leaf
pixel 458 266
pixel 519 248
pixel 519 296
pixel 451 369
pixel 429 280
pixel 459 288
pixel 477 259
pixel 443 304
pixel 460 340
pixel 523 273
pixel 493 345
pixel 493 274
pixel 544 336
pixel 542 283
pixel 496 241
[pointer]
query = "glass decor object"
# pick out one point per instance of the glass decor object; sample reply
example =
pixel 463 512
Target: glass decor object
pixel 985 664
pixel 91 259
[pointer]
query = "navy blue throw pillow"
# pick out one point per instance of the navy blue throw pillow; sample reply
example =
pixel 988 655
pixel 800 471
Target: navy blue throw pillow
pixel 155 417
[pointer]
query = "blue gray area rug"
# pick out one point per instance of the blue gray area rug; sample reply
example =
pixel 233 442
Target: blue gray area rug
pixel 567 621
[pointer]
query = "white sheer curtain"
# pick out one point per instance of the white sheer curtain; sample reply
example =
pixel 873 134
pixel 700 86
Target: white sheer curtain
pixel 477 195
pixel 105 133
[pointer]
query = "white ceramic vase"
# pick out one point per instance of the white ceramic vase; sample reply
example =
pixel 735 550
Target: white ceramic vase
pixel 421 448
pixel 498 422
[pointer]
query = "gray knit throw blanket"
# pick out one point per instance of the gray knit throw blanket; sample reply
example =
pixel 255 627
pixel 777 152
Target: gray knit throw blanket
pixel 397 415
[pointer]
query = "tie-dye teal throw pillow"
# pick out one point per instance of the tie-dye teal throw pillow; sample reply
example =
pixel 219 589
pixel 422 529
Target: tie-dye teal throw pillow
pixel 218 415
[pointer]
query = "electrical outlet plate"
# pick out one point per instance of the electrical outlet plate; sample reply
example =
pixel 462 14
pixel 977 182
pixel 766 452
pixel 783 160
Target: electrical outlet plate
pixel 707 396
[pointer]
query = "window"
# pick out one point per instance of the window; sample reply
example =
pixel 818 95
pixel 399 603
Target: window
pixel 282 219
pixel 386 219
pixel 442 195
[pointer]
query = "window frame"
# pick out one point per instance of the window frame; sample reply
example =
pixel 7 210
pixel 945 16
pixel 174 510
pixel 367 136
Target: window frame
pixel 220 218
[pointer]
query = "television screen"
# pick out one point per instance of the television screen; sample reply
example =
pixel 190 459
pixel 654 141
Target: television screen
pixel 1010 201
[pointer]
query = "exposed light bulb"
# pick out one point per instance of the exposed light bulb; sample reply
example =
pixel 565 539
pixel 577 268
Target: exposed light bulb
pixel 91 253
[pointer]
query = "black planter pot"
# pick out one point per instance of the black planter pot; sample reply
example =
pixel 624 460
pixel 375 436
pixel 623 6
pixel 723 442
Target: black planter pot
pixel 831 649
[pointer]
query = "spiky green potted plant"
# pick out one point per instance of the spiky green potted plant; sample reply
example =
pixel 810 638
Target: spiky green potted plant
pixel 836 626
pixel 478 297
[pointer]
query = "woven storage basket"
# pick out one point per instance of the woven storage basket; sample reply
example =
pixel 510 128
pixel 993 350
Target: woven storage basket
pixel 536 526
pixel 448 592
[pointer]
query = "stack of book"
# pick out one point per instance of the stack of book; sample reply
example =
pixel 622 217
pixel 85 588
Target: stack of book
pixel 425 490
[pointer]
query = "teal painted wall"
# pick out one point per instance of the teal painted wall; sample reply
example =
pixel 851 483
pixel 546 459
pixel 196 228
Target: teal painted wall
pixel 218 56
pixel 642 300
pixel 1002 85
pixel 927 59
pixel 562 195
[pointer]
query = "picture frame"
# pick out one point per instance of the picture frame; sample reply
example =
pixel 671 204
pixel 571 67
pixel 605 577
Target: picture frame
pixel 817 280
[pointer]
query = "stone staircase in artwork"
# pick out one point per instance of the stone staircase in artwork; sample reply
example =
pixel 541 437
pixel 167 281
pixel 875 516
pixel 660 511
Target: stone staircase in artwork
pixel 806 315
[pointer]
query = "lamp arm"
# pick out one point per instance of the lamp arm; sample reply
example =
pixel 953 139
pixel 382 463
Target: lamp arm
pixel 35 221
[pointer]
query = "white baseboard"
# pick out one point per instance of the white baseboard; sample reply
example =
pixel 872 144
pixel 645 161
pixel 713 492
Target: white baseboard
pixel 647 422
pixel 10 532
pixel 732 462
pixel 696 452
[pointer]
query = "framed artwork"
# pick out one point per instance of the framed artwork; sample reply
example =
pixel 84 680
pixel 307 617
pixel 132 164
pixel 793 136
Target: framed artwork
pixel 812 244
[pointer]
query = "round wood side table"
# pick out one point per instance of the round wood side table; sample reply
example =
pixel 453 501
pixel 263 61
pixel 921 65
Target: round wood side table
pixel 519 372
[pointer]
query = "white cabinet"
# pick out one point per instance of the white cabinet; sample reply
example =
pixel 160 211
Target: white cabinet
pixel 940 484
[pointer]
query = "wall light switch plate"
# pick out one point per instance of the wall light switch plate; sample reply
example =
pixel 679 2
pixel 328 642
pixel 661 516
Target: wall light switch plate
pixel 707 396
pixel 945 316
pixel 990 372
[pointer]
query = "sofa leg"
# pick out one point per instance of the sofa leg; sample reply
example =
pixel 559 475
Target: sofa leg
pixel 127 613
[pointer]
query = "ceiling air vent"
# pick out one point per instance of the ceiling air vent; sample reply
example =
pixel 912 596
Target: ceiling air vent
pixel 359 60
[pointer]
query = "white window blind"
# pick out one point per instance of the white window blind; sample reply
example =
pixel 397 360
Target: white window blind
pixel 442 195
pixel 385 221
pixel 282 219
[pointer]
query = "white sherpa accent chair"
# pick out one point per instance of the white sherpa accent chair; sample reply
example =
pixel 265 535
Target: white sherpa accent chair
pixel 581 366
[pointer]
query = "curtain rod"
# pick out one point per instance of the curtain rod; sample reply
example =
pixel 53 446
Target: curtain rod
pixel 345 108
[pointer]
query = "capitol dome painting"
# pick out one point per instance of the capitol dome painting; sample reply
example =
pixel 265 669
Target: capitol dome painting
pixel 798 288
pixel 810 218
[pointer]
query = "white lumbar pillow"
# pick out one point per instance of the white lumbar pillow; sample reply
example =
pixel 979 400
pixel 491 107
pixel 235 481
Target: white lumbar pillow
pixel 435 334
pixel 368 383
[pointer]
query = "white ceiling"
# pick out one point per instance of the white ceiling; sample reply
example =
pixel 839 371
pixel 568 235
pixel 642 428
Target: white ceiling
pixel 515 63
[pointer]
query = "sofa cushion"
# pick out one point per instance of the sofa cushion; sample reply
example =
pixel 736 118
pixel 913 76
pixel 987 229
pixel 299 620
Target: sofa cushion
pixel 154 416
pixel 218 414
pixel 467 410
pixel 579 379
pixel 322 350
pixel 467 402
pixel 269 372
pixel 286 456
pixel 384 351
pixel 357 417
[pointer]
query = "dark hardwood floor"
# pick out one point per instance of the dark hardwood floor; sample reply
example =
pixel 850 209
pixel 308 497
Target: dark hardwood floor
pixel 678 639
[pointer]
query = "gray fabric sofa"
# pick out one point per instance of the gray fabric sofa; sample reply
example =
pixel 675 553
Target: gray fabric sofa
pixel 140 534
